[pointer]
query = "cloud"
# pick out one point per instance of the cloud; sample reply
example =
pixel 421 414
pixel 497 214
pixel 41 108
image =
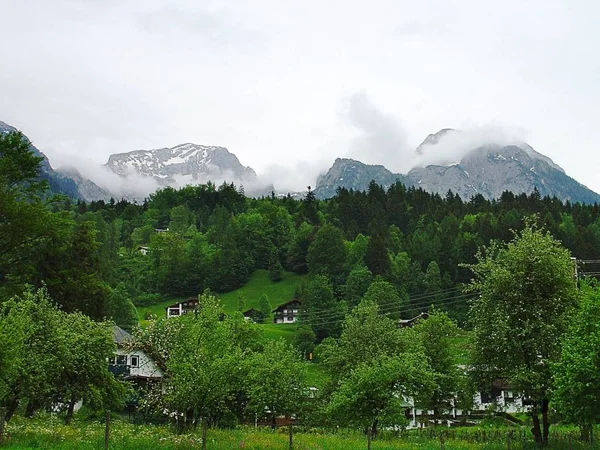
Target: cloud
pixel 132 186
pixel 452 146
pixel 215 27
pixel 381 137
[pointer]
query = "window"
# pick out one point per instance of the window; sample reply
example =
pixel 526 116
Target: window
pixel 173 311
pixel 121 360
pixel 135 361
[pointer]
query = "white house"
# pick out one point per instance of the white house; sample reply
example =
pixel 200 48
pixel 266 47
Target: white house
pixel 133 364
pixel 181 308
pixel 287 313
pixel 501 398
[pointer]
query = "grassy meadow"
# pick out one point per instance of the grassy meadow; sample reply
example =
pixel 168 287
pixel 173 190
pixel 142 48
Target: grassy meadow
pixel 259 284
pixel 49 433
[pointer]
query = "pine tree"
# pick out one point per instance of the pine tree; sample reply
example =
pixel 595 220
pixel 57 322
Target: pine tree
pixel 264 308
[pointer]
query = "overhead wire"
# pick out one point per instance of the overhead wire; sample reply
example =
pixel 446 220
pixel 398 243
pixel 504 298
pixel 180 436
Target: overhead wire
pixel 405 308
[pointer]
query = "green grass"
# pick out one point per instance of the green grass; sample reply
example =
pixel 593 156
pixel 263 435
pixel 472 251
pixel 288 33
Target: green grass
pixel 48 433
pixel 258 284
pixel 285 331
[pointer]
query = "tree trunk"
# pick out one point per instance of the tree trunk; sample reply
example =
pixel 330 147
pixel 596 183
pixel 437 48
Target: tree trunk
pixel 204 425
pixel 106 429
pixel 368 438
pixel 70 410
pixel 545 422
pixel 10 410
pixel 291 431
pixel 2 416
pixel 30 409
pixel 536 430
pixel 374 428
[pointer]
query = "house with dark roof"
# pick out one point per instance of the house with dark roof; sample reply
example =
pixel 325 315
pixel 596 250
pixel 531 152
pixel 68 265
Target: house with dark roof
pixel 181 308
pixel 251 315
pixel 287 313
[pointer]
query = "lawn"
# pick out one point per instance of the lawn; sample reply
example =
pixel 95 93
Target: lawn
pixel 48 433
pixel 258 284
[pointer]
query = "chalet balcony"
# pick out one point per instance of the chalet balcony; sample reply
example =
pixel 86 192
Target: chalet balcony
pixel 119 370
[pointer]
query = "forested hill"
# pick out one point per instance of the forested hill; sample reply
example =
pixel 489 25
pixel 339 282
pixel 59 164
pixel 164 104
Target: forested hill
pixel 403 247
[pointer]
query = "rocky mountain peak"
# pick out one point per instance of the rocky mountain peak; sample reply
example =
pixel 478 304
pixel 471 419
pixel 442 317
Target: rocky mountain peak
pixel 184 163
pixel 434 139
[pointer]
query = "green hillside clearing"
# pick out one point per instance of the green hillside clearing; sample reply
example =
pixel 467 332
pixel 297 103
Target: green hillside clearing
pixel 258 284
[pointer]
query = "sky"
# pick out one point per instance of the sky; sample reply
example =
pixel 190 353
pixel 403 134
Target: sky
pixel 288 86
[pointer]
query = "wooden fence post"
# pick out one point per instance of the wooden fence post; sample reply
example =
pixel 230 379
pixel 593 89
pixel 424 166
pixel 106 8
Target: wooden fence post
pixel 106 429
pixel 2 416
pixel 369 437
pixel 291 436
pixel 508 440
pixel 442 446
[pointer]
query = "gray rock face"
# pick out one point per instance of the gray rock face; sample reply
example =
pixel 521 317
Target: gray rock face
pixel 72 185
pixel 493 169
pixel 183 164
pixel 352 174
pixel 488 170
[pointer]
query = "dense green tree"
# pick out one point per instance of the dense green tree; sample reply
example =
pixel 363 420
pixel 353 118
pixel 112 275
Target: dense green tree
pixel 438 334
pixel 84 373
pixel 275 267
pixel 327 254
pixel 121 309
pixel 205 364
pixel 385 295
pixel 277 381
pixel 264 308
pixel 377 257
pixel 433 283
pixel 527 291
pixel 32 324
pixel 304 340
pixel 372 365
pixel 25 221
pixel 577 373
pixel 323 312
pixel 357 283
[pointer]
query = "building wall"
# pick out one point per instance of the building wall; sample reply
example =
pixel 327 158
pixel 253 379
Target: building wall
pixel 147 368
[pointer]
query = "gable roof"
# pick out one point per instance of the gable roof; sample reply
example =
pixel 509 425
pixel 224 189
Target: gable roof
pixel 190 303
pixel 411 322
pixel 120 336
pixel 293 302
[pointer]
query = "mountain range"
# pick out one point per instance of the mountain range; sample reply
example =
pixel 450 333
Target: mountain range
pixel 488 169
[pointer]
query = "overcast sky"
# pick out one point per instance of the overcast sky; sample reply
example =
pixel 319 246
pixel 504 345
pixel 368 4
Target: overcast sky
pixel 289 85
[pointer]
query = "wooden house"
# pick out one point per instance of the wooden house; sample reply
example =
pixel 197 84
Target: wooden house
pixel 287 313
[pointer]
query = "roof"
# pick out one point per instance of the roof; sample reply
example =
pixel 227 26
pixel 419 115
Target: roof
pixel 120 336
pixel 286 304
pixel 191 302
pixel 410 322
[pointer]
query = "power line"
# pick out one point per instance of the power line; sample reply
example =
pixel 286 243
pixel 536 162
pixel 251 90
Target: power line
pixel 383 305
pixel 454 300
